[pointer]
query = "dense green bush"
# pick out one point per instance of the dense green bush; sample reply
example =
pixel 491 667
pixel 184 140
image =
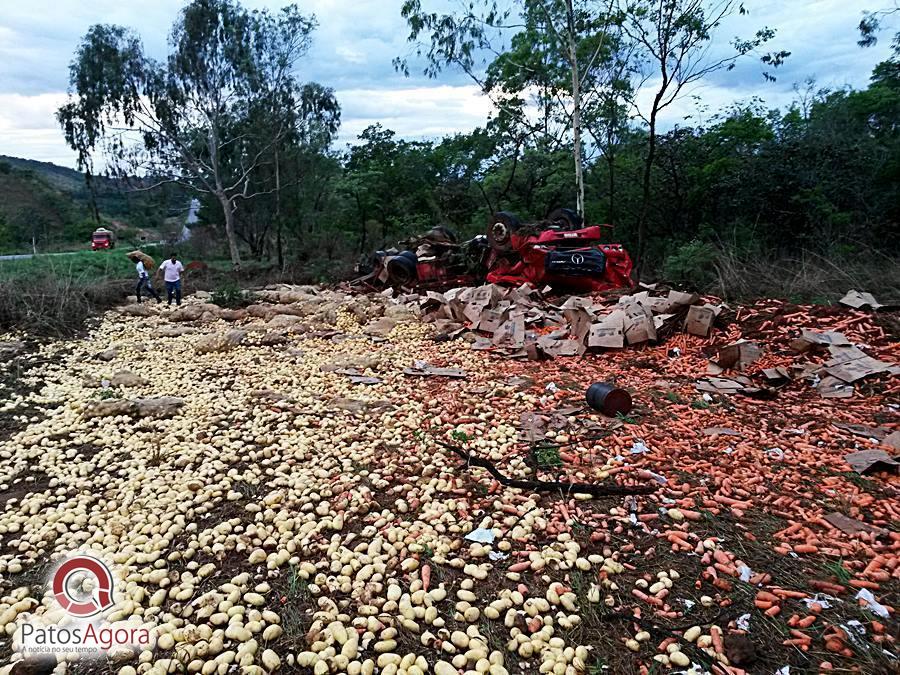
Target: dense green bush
pixel 231 296
pixel 692 264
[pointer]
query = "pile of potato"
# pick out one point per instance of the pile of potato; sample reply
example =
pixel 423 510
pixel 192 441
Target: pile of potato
pixel 287 519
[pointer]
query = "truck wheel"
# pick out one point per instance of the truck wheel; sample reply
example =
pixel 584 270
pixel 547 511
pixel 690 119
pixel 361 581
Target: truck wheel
pixel 442 232
pixel 567 218
pixel 503 225
pixel 402 269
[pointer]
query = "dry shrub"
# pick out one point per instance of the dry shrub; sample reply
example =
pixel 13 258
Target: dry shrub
pixel 809 277
pixel 56 306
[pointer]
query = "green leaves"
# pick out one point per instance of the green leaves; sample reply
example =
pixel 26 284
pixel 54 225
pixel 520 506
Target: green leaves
pixel 212 115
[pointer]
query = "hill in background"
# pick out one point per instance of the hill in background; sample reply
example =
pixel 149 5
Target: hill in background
pixel 52 205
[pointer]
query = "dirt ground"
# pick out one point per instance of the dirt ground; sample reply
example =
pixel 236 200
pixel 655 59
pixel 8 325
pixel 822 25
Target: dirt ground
pixel 287 517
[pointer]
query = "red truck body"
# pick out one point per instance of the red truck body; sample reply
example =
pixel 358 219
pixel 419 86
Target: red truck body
pixel 572 259
pixel 559 252
pixel 102 239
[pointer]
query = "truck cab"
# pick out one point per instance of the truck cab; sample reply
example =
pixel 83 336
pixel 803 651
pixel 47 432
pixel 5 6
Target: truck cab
pixel 102 239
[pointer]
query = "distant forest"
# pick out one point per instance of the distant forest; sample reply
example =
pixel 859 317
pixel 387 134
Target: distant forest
pixel 747 186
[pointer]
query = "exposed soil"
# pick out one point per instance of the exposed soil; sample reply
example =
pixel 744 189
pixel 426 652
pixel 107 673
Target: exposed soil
pixel 738 516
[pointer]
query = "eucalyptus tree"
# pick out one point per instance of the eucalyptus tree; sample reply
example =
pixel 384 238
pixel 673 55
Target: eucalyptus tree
pixel 672 39
pixel 543 63
pixel 874 21
pixel 193 118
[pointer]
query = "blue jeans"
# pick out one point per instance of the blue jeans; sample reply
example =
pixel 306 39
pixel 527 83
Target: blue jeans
pixel 173 288
pixel 144 282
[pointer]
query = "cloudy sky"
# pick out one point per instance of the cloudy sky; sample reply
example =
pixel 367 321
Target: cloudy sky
pixel 352 53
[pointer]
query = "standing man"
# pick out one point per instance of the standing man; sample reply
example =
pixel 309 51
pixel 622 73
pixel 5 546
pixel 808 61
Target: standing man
pixel 143 280
pixel 172 270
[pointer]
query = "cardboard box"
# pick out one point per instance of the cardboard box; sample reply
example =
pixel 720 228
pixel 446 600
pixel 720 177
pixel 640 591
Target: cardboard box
pixel 699 320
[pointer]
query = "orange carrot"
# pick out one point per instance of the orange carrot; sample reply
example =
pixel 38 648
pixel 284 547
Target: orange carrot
pixel 805 548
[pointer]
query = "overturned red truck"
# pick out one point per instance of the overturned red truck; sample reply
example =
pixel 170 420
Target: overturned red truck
pixel 559 252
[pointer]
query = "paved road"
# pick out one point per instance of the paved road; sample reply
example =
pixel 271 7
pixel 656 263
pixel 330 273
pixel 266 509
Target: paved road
pixel 26 256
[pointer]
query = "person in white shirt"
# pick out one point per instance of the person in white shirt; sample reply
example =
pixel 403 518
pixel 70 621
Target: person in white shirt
pixel 143 280
pixel 172 269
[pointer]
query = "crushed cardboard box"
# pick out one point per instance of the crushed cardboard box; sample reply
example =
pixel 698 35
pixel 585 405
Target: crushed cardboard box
pixel 738 355
pixel 858 300
pixel 424 369
pixel 511 322
pixel 869 461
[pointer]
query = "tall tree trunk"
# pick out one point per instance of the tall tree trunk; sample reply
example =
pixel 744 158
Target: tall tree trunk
pixel 92 194
pixel 576 114
pixel 233 250
pixel 645 202
pixel 611 159
pixel 278 243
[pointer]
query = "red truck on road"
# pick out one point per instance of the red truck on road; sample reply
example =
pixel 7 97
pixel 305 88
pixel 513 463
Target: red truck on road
pixel 103 239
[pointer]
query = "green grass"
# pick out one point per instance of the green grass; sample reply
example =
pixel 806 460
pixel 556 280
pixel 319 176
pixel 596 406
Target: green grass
pixel 298 587
pixel 231 296
pixel 83 266
pixel 547 456
pixel 837 569
pixel 631 418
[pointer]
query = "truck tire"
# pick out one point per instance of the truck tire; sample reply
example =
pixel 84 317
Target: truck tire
pixel 567 218
pixel 443 233
pixel 402 269
pixel 503 225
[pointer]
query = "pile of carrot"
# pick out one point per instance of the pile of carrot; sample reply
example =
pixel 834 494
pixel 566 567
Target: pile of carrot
pixel 770 483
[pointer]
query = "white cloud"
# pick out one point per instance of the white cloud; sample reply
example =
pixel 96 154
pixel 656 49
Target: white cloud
pixel 28 113
pixel 28 128
pixel 416 112
pixel 352 52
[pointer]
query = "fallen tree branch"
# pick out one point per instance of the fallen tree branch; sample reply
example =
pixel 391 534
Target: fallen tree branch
pixel 591 489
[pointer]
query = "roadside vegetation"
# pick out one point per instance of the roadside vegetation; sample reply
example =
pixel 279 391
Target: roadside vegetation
pixel 53 295
pixel 746 201
pixel 88 266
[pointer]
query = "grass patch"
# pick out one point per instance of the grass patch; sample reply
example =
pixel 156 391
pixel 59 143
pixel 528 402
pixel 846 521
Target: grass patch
pixel 298 587
pixel 85 266
pixel 459 436
pixel 546 456
pixel 807 277
pixel 631 418
pixel 54 294
pixel 231 296
pixel 836 569
pixel 56 306
pixel 156 457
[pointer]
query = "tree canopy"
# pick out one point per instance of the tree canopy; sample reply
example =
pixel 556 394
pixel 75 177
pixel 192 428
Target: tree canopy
pixel 578 87
pixel 211 116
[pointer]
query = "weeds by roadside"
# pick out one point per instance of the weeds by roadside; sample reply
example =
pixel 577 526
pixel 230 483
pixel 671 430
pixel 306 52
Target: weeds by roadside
pixel 56 306
pixel 231 296
pixel 808 278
